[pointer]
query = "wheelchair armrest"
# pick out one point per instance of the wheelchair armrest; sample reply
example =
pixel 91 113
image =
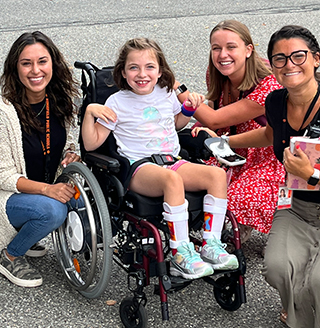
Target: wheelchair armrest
pixel 194 146
pixel 102 161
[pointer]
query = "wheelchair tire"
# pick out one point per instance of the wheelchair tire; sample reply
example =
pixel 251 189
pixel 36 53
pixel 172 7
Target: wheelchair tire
pixel 82 243
pixel 130 317
pixel 227 293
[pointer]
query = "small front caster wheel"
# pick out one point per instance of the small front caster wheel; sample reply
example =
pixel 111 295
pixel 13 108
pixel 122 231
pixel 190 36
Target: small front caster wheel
pixel 133 314
pixel 227 294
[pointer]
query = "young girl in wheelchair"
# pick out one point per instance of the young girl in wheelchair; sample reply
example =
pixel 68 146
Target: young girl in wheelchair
pixel 144 116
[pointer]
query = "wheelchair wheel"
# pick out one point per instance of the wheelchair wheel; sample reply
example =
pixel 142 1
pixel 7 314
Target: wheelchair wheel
pixel 227 293
pixel 132 314
pixel 82 243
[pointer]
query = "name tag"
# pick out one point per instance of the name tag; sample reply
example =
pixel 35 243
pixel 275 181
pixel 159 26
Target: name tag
pixel 284 198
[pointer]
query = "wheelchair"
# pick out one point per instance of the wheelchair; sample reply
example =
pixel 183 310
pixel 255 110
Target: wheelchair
pixel 107 223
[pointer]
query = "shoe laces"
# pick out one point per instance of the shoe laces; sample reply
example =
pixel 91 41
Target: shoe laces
pixel 189 253
pixel 217 245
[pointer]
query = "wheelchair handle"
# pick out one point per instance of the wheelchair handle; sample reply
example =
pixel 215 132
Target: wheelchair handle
pixel 84 65
pixel 90 70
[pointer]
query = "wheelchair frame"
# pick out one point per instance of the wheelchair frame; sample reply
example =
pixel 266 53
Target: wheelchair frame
pixel 112 223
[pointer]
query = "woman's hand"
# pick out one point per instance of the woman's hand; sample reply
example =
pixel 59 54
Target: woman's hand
pixel 297 164
pixel 69 158
pixel 62 192
pixel 196 131
pixel 101 111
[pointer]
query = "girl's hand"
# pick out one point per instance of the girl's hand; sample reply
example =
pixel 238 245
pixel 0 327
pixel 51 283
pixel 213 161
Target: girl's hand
pixel 62 192
pixel 194 100
pixel 69 158
pixel 297 164
pixel 196 131
pixel 101 111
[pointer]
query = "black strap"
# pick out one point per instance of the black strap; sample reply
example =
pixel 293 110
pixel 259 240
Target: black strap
pixel 233 128
pixel 285 120
pixel 313 129
pixel 315 98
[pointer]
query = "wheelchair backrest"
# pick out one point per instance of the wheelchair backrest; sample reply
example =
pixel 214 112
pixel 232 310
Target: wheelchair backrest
pixel 100 86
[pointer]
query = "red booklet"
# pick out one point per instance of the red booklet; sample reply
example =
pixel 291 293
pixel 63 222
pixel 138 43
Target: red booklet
pixel 311 147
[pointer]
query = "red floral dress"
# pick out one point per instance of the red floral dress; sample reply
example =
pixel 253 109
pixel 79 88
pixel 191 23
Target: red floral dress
pixel 253 191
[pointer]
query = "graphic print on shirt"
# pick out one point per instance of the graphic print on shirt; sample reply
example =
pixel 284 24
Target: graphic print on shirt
pixel 158 129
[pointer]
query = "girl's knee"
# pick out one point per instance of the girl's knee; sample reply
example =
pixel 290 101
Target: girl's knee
pixel 173 178
pixel 216 178
pixel 218 172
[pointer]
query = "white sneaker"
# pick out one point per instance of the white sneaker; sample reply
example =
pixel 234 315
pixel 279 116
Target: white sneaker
pixel 188 264
pixel 214 252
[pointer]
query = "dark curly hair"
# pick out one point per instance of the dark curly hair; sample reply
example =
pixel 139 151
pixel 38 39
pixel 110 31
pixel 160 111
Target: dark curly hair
pixel 165 80
pixel 61 89
pixel 295 31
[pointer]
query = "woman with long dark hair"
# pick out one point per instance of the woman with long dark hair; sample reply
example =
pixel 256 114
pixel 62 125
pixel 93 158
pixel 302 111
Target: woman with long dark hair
pixel 36 112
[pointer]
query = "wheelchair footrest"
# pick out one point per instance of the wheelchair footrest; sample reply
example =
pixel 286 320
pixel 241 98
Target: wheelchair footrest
pixel 177 283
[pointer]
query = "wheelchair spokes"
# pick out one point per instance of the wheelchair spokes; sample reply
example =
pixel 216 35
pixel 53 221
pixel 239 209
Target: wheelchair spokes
pixel 82 242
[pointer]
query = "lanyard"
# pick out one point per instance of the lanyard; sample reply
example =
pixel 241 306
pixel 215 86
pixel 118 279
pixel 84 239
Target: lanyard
pixel 285 120
pixel 315 98
pixel 46 149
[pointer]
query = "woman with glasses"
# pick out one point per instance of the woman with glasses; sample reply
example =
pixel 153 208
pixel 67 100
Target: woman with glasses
pixel 292 257
pixel 238 82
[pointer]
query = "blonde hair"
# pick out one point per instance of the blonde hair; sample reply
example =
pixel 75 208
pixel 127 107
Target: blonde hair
pixel 256 67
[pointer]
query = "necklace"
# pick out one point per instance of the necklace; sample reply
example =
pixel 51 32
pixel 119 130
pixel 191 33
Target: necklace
pixel 43 107
pixel 302 103
pixel 285 119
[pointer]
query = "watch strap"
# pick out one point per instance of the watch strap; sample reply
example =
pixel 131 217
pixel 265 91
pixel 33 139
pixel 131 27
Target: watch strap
pixel 315 177
pixel 181 89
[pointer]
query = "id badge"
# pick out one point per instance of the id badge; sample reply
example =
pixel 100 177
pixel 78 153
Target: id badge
pixel 284 198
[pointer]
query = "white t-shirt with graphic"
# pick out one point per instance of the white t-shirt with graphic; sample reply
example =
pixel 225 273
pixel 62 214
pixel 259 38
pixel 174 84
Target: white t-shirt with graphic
pixel 145 123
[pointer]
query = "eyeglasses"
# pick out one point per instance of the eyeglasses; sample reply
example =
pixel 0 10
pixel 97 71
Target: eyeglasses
pixel 297 58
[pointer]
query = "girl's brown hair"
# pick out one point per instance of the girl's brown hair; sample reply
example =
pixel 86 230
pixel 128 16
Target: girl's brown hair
pixel 165 80
pixel 256 68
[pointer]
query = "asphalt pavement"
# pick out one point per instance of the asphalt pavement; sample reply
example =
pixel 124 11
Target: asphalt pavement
pixel 93 31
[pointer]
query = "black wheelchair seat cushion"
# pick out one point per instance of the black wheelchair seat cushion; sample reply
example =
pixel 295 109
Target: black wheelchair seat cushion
pixel 144 206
